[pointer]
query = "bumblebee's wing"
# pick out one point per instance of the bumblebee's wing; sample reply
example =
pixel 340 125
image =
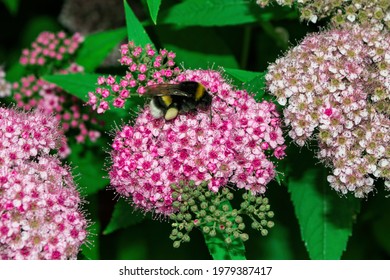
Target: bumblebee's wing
pixel 165 89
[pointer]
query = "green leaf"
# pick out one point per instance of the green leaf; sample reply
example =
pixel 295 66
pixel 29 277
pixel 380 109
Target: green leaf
pixel 254 82
pixel 12 5
pixel 154 6
pixel 277 12
pixel 97 46
pixel 135 30
pixel 381 229
pixel 195 53
pixel 209 13
pixel 277 245
pixel 281 173
pixel 78 84
pixel 133 243
pixel 256 86
pixel 223 12
pixel 375 213
pixel 325 219
pixel 123 216
pixel 88 166
pixel 220 250
pixel 35 26
pixel 15 72
pixel 242 75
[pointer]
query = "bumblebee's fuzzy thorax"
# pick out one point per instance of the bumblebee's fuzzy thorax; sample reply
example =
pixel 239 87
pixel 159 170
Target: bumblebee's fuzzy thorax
pixel 168 100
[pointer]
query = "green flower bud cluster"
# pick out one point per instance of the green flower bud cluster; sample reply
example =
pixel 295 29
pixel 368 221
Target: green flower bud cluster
pixel 197 206
pixel 258 209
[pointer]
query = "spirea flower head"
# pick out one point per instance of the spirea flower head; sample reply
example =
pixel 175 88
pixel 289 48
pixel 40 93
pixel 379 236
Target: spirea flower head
pixel 145 67
pixel 5 87
pixel 40 215
pixel 233 142
pixel 51 48
pixel 55 53
pixel 336 89
pixel 375 13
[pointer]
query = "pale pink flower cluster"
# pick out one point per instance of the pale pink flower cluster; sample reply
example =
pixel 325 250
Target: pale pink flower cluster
pixel 146 66
pixel 336 89
pixel 234 142
pixel 5 87
pixel 51 47
pixel 374 13
pixel 40 216
pixel 32 92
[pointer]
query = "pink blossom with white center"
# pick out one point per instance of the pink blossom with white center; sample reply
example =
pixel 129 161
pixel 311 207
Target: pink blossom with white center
pixel 40 216
pixel 220 146
pixel 348 109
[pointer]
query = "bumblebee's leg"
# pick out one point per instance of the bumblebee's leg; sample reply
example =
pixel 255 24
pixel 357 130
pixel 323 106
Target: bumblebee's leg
pixel 171 113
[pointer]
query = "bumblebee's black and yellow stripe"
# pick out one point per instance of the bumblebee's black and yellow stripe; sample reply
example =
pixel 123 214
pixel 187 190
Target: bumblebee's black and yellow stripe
pixel 168 100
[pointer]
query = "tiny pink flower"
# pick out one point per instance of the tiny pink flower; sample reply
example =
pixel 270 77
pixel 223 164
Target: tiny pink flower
pixel 92 98
pixel 141 90
pixel 110 80
pixel 151 52
pixel 105 93
pixel 103 106
pixel 142 68
pixel 101 80
pixel 133 83
pixel 115 88
pixel 124 94
pixel 119 102
pixel 133 67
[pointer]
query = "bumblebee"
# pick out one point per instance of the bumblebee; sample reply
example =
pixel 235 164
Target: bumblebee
pixel 168 100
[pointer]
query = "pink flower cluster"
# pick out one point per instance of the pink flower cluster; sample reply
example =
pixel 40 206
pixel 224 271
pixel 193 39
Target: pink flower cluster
pixel 145 67
pixel 50 47
pixel 32 92
pixel 232 143
pixel 40 215
pixel 336 87
pixel 55 52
